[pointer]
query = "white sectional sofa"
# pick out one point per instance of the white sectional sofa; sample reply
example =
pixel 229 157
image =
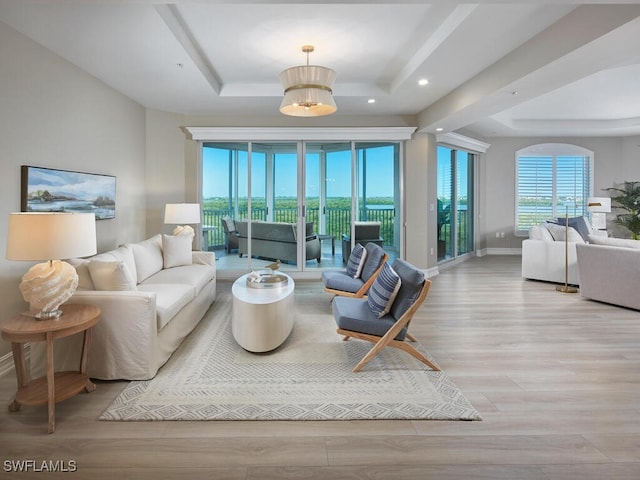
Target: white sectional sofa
pixel 543 254
pixel 610 270
pixel 151 294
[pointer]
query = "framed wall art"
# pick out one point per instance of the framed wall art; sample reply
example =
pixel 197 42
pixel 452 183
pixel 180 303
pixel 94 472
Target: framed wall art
pixel 52 190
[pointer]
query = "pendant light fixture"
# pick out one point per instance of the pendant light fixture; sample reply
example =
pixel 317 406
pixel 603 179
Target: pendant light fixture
pixel 307 89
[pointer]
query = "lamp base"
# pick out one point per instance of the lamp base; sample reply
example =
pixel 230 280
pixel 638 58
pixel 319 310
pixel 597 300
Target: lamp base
pixel 566 289
pixel 44 315
pixel 48 285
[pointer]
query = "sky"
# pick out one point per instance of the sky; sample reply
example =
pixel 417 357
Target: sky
pixel 379 173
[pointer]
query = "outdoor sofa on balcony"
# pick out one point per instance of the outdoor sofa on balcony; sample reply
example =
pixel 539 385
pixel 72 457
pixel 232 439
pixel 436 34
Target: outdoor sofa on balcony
pixel 276 241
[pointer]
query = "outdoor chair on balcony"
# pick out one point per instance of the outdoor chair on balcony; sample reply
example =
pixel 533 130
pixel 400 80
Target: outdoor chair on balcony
pixel 356 280
pixel 381 318
pixel 364 232
pixel 230 234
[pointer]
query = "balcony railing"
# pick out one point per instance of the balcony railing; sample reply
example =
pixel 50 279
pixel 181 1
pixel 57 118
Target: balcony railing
pixel 337 221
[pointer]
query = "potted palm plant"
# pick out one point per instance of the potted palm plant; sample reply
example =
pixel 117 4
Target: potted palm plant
pixel 627 198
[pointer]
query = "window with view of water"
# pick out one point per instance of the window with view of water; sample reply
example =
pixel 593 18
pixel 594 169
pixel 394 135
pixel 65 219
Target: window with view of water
pixel 552 180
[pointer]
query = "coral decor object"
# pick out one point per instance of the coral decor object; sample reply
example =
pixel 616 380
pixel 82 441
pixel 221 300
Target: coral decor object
pixel 48 285
pixel 184 230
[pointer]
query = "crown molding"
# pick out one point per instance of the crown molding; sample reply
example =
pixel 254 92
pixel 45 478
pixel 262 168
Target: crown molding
pixel 300 133
pixel 462 141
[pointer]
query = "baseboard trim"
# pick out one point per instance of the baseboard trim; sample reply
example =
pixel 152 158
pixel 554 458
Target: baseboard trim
pixel 6 362
pixel 502 251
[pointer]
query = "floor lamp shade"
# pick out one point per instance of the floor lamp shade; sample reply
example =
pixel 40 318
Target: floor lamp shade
pixel 51 237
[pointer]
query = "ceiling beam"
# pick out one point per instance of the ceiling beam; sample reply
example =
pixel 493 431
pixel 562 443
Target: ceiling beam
pixel 589 39
pixel 443 20
pixel 179 28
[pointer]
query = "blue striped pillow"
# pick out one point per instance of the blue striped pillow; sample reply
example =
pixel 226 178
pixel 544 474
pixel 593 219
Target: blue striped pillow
pixel 383 291
pixel 356 261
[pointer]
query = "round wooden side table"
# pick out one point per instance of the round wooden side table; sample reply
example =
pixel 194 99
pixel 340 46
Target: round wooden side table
pixel 54 386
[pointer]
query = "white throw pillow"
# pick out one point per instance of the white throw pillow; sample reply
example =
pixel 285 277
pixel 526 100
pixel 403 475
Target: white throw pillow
pixel 147 256
pixel 176 250
pixel 540 232
pixel 82 269
pixel 559 233
pixel 111 275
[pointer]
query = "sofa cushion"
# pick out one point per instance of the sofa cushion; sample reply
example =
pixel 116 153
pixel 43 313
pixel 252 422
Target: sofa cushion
pixel 614 242
pixel 355 315
pixel 540 232
pixel 148 257
pixel 197 276
pixel 111 275
pixel 82 269
pixel 412 281
pixel 579 224
pixel 170 299
pixel 375 253
pixel 356 261
pixel 176 250
pixel 559 233
pixel 340 280
pixel 383 291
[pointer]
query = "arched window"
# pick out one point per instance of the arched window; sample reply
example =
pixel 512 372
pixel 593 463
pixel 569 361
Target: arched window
pixel 551 179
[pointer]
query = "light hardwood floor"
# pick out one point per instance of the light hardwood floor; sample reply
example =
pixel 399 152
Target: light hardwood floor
pixel 555 377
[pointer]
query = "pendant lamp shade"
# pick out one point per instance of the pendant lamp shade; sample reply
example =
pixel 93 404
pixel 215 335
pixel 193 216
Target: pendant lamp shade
pixel 308 90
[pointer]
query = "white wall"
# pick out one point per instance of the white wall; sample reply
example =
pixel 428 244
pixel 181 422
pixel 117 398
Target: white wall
pixel 54 115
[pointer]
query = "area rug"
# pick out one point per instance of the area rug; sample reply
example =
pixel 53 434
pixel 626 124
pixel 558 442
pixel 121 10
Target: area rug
pixel 309 377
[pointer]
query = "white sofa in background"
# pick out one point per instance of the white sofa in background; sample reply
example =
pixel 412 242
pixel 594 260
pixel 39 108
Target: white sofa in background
pixel 543 253
pixel 151 294
pixel 610 271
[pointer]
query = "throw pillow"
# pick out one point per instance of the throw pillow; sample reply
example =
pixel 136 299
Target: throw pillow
pixel 82 269
pixel 111 275
pixel 383 291
pixel 176 250
pixel 356 261
pixel 559 233
pixel 579 224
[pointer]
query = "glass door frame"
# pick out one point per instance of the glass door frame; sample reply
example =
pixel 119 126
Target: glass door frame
pixel 302 135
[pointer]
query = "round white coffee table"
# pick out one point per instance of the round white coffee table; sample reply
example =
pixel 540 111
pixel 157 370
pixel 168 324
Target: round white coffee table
pixel 262 318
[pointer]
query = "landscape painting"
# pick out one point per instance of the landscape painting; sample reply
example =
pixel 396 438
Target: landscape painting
pixel 52 190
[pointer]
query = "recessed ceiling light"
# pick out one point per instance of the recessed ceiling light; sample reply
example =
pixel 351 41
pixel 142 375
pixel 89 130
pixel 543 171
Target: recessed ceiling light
pixel 371 100
pixel 439 129
pixel 423 81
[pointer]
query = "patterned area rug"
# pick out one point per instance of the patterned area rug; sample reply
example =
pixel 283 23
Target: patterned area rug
pixel 309 377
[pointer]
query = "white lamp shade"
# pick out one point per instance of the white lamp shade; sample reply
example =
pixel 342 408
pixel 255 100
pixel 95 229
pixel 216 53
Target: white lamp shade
pixel 599 204
pixel 179 213
pixel 308 91
pixel 40 236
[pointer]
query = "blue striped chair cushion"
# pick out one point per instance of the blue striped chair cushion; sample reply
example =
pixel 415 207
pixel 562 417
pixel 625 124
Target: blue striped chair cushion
pixel 383 291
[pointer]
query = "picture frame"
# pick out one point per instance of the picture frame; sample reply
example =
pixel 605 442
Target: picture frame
pixel 53 190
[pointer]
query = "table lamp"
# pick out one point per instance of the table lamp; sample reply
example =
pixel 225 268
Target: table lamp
pixel 182 213
pixel 599 207
pixel 49 236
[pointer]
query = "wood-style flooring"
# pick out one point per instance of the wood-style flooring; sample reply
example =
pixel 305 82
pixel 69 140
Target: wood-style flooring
pixel 555 377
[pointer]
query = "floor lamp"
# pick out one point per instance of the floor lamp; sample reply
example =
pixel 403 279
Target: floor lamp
pixel 566 288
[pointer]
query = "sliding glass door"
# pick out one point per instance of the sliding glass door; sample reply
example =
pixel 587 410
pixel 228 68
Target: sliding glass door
pixel 455 222
pixel 266 189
